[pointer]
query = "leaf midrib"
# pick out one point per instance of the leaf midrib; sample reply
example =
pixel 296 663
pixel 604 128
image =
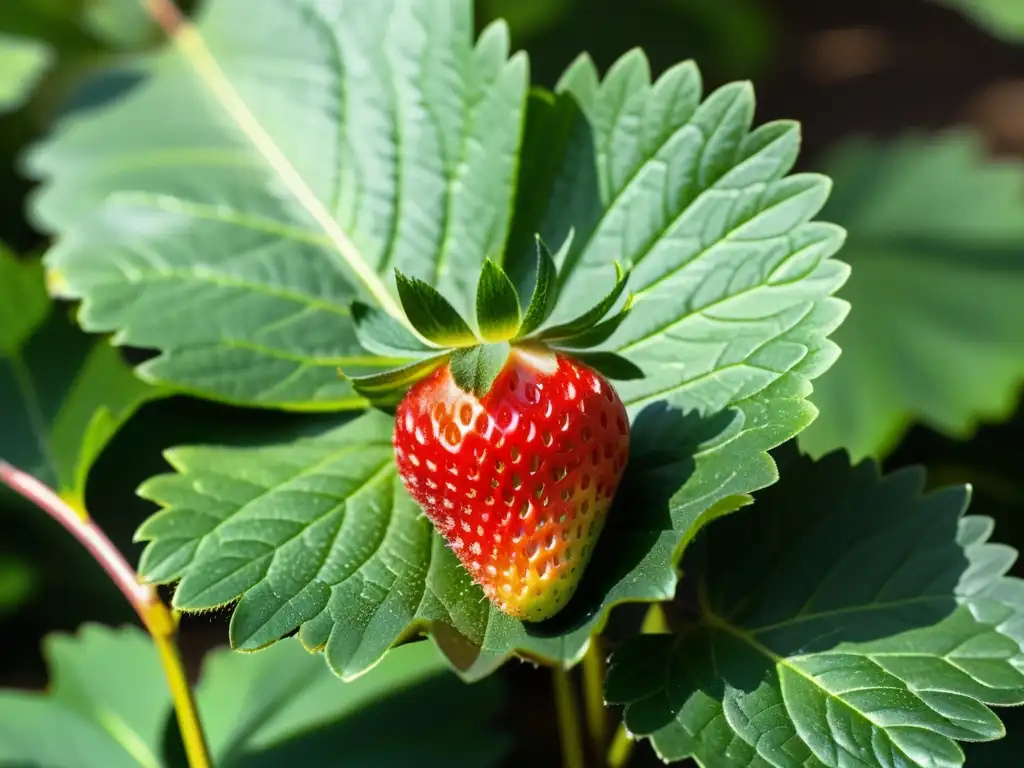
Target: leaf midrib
pixel 34 412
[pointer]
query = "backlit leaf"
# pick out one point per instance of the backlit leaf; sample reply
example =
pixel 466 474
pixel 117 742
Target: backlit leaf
pixel 22 62
pixel 246 203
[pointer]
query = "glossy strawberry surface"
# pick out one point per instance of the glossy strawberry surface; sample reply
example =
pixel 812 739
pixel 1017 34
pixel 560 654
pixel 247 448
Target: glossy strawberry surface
pixel 519 482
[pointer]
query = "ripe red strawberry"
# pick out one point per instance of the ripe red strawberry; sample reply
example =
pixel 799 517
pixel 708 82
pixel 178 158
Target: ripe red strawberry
pixel 518 481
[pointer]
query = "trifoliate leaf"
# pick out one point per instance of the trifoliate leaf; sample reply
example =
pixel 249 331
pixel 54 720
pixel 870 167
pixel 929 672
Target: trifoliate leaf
pixel 846 619
pixel 1002 18
pixel 475 369
pixel 246 204
pixel 497 304
pixel 545 291
pixel 381 334
pixel 730 323
pixel 63 395
pixel 22 62
pixel 937 246
pixel 432 314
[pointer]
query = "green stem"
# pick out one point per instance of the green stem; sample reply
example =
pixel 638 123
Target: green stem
pixel 621 749
pixel 158 620
pixel 568 720
pixel 655 623
pixel 593 695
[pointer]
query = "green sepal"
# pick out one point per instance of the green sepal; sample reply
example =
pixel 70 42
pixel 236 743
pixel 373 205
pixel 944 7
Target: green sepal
pixel 599 333
pixel 497 304
pixel 593 315
pixel 381 334
pixel 609 364
pixel 475 369
pixel 388 388
pixel 432 315
pixel 545 289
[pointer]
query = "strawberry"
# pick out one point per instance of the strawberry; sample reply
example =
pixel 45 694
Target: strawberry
pixel 520 480
pixel 508 436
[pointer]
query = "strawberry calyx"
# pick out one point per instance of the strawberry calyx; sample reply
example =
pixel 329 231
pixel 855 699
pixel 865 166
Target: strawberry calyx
pixel 435 334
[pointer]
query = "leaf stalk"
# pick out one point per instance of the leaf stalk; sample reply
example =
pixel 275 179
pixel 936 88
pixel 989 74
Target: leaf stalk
pixel 568 720
pixel 159 621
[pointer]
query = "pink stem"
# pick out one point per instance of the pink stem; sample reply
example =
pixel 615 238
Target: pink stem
pixel 141 596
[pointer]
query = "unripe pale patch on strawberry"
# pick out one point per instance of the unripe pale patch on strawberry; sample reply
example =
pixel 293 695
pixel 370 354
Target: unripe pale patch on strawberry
pixel 520 481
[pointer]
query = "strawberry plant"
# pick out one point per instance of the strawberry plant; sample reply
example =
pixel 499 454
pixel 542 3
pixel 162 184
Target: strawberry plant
pixel 558 375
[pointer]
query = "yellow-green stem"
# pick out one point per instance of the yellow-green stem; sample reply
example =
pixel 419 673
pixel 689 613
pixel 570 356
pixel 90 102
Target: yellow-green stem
pixel 568 720
pixel 158 620
pixel 621 748
pixel 655 623
pixel 593 695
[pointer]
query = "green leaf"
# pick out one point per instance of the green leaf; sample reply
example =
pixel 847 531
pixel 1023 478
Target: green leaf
pixel 381 334
pixel 497 304
pixel 432 314
pixel 122 24
pixel 730 324
pixel 237 216
pixel 388 388
pixel 545 291
pixel 846 620
pixel 475 369
pixel 937 248
pixel 63 395
pixel 107 704
pixel 731 278
pixel 1002 18
pixel 282 706
pixel 23 62
pixel 320 536
pixel 588 319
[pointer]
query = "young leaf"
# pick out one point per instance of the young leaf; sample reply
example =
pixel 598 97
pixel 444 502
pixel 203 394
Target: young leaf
pixel 935 336
pixel 232 228
pixel 107 704
pixel 380 333
pixel 545 291
pixel 846 620
pixel 476 368
pixel 58 411
pixel 593 315
pixel 497 304
pixel 432 315
pixel 22 62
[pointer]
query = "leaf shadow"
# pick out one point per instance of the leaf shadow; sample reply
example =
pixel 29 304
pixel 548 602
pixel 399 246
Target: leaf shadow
pixel 664 441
